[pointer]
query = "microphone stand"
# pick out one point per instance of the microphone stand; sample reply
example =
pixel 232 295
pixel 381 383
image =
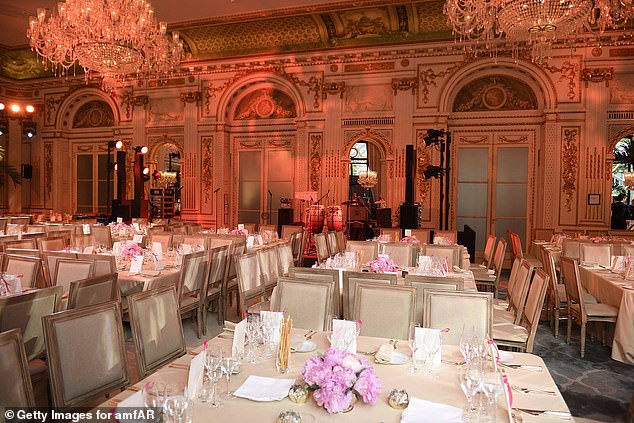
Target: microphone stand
pixel 270 204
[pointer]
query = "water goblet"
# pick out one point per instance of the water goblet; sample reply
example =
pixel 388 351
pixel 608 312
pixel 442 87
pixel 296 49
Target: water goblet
pixel 177 409
pixel 229 364
pixel 411 341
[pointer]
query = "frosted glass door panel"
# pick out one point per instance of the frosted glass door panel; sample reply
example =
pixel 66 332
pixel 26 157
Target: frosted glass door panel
pixel 250 186
pixel 473 191
pixel 516 225
pixel 511 190
pixel 473 164
pixel 472 199
pixel 510 200
pixel 512 165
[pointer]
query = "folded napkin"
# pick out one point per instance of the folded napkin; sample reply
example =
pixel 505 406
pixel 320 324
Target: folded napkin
pixel 420 411
pixel 385 353
pixel 134 400
pixel 196 373
pixel 258 388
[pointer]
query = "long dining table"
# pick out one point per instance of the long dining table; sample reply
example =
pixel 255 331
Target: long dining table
pixel 610 288
pixel 441 386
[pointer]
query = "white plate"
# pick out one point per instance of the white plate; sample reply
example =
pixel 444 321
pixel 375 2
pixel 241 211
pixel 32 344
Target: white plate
pixel 398 358
pixel 305 347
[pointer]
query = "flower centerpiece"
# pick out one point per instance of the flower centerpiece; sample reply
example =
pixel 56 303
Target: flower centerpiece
pixel 382 265
pixel 132 250
pixel 238 232
pixel 338 377
pixel 410 239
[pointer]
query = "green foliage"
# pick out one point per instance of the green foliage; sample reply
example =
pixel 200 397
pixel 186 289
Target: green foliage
pixel 6 170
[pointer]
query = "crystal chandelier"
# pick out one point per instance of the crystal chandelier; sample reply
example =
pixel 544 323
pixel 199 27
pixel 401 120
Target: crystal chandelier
pixel 537 23
pixel 367 179
pixel 116 38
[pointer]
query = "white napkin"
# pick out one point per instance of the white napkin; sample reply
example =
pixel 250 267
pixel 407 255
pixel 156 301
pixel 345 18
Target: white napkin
pixel 420 411
pixel 134 400
pixel 342 331
pixel 276 318
pixel 196 372
pixel 426 335
pixel 258 388
pixel 237 348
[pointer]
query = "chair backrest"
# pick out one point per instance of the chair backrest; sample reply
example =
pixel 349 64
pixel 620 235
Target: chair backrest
pixel 97 290
pixel 102 235
pixel 157 330
pixel 394 234
pixel 291 298
pixel 29 267
pixel 397 305
pixel 600 254
pixel 422 235
pixel 341 241
pixel 219 267
pixel 288 230
pixel 571 248
pixel 268 228
pixel 52 244
pixel 570 276
pixel 450 252
pixel 450 235
pixel 517 299
pixel 367 250
pixel 534 304
pixel 333 246
pixel 49 261
pixel 3 224
pixel 82 365
pixel 476 312
pixel 403 254
pixel 67 271
pixel 423 283
pixel 24 311
pixel 249 227
pixel 31 229
pixel 196 240
pixel 194 228
pixel 516 244
pixel 323 275
pixel 269 266
pixel 16 390
pixel 548 261
pixel 299 243
pixel 105 264
pixel 350 281
pixel 249 278
pixel 285 257
pixel 194 274
pixel 498 257
pixel 487 255
pixel 165 238
pixel 321 245
pixel 80 241
pixel 20 220
pixel 627 250
pixel 21 243
pixel 513 277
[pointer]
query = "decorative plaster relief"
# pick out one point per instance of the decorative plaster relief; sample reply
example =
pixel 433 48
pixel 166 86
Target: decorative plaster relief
pixel 315 160
pixel 569 72
pixel 94 114
pixel 428 79
pixel 621 89
pixel 51 105
pixel 207 167
pixel 165 110
pixel 495 93
pixel 266 104
pixel 48 170
pixel 368 98
pixel 569 164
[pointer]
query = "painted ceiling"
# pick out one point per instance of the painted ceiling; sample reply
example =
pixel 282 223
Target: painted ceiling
pixel 235 30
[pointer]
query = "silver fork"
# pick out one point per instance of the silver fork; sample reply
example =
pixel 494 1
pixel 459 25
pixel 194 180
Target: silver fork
pixel 531 391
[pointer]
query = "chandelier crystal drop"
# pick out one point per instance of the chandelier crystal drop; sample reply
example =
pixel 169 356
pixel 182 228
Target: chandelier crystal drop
pixel 367 179
pixel 116 38
pixel 536 23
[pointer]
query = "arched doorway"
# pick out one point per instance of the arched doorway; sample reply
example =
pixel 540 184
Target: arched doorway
pixel 367 177
pixel 165 170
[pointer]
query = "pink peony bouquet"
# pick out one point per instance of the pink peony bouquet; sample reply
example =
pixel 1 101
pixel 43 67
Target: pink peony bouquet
pixel 238 232
pixel 338 377
pixel 410 239
pixel 131 251
pixel 382 265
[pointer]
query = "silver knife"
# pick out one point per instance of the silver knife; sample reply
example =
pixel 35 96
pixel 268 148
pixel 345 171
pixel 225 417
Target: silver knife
pixel 562 414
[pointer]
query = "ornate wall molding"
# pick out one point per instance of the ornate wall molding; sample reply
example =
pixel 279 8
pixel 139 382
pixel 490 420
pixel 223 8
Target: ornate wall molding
pixel 512 140
pixel 94 114
pixel 129 101
pixel 48 171
pixel 315 140
pixel 333 88
pixel 405 84
pixel 265 103
pixel 383 138
pixel 191 97
pixel 51 104
pixel 494 93
pixel 428 78
pixel 568 71
pixel 569 164
pixel 597 75
pixel 207 167
pixel 423 159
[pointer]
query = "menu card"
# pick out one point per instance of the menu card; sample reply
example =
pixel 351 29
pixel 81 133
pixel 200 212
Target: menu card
pixel 136 264
pixel 237 348
pixel 408 232
pixel 344 335
pixel 250 241
pixel 138 239
pixel 119 220
pixel 259 239
pixel 86 228
pixel 157 248
pixel 135 225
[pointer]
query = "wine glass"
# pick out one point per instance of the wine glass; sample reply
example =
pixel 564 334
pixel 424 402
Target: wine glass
pixel 213 366
pixel 329 325
pixel 177 409
pixel 229 364
pixel 493 387
pixel 470 380
pixel 411 341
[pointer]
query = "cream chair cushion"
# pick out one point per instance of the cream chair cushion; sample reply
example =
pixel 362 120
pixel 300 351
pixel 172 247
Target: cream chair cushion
pixel 402 253
pixel 385 311
pixel 422 284
pixel 97 290
pixel 52 244
pixel 598 310
pixel 323 275
pixel 351 279
pixel 600 254
pixel 29 267
pixel 67 271
pixel 291 298
pixel 16 389
pixel 367 250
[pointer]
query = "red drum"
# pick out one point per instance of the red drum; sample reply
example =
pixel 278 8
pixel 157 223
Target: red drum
pixel 315 218
pixel 334 218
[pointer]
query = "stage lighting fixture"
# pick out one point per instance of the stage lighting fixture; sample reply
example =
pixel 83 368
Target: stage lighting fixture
pixel 2 106
pixel 116 167
pixel 15 108
pixel 434 136
pixel 141 150
pixel 156 174
pixel 118 145
pixel 29 109
pixel 29 129
pixel 144 149
pixel 4 127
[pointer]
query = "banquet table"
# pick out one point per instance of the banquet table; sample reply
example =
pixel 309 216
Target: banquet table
pixel 610 288
pixel 441 386
pixel 130 283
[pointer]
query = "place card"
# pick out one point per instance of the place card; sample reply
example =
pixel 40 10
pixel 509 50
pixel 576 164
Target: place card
pixel 86 228
pixel 157 248
pixel 259 239
pixel 135 225
pixel 119 220
pixel 241 226
pixel 344 335
pixel 408 232
pixel 237 347
pixel 275 317
pixel 196 372
pixel 138 239
pixel 136 264
pixel 250 241
pixel 618 264
pixel 186 249
pixel 425 336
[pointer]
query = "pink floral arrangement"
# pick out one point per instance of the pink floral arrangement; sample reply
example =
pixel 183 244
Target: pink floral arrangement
pixel 119 227
pixel 238 232
pixel 410 239
pixel 338 377
pixel 382 265
pixel 131 251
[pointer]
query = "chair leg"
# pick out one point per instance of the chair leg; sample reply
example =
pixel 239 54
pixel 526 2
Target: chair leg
pixel 569 329
pixel 583 340
pixel 556 322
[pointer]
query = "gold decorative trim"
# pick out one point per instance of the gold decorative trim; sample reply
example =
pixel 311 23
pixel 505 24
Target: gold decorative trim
pixel 52 103
pixel 368 67
pixel 568 72
pixel 207 166
pixel 333 88
pixel 473 140
pixel 191 97
pixel 423 159
pixel 504 138
pixel 315 160
pixel 405 84
pixel 569 164
pixel 48 170
pixel 597 75
pixel 428 76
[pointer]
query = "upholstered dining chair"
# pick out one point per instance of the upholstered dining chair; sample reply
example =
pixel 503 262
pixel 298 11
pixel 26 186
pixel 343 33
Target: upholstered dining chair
pixel 503 304
pixel 393 234
pixel 217 283
pixel 403 254
pixel 285 257
pixel 21 243
pixel 157 330
pixel 333 246
pixel 341 241
pixel 450 235
pixel 20 220
pixel 30 252
pixel 165 238
pixel 291 298
pixel 351 279
pixel 192 286
pixel 518 294
pixel 397 305
pixel 322 275
pixel 269 268
pixel 422 235
pixel 6 238
pixel 450 252
pixel 487 254
pixel 17 390
pixel 250 286
pixel 86 353
pixel 49 261
pixel 105 264
pixel 299 246
pixel 475 314
pixel 102 235
pixel 321 245
pixel 522 336
pixel 493 280
pixel 249 228
pixel 67 271
pixel 32 229
pixel 29 267
pixel 288 230
pixel 98 290
pixel 3 224
pixel 196 241
pixel 571 248
pixel 267 228
pixel 51 244
pixel 600 254
pixel 627 250
pixel 578 310
pixel 424 283
pixel 367 250
pixel 83 241
pixel 194 228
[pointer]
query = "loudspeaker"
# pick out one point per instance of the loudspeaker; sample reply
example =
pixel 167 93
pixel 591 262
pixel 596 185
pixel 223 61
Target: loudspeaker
pixel 284 216
pixel 358 213
pixel 121 176
pixel 410 173
pixel 409 216
pixel 27 171
pixel 121 208
pixel 384 218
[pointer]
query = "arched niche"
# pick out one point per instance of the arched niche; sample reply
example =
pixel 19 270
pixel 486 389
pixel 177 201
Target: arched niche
pixel 265 103
pixel 495 93
pixel 87 100
pixel 93 114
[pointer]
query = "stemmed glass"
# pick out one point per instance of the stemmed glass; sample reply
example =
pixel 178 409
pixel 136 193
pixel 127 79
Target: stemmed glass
pixel 470 381
pixel 430 349
pixel 229 364
pixel 155 395
pixel 177 409
pixel 493 387
pixel 329 323
pixel 411 341
pixel 251 334
pixel 213 366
